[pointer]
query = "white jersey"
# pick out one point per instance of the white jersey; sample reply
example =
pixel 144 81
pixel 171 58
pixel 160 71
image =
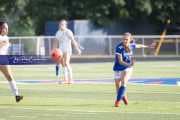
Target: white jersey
pixel 65 40
pixel 4 49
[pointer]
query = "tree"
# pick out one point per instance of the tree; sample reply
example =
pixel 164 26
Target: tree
pixel 29 16
pixel 102 12
pixel 13 11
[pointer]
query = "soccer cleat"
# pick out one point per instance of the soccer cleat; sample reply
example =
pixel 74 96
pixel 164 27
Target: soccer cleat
pixel 125 100
pixel 117 103
pixel 19 98
pixel 59 82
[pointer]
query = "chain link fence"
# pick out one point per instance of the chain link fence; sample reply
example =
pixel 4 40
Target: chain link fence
pixel 97 45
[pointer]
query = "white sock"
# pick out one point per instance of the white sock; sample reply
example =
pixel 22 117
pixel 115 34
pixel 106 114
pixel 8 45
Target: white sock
pixel 13 87
pixel 70 74
pixel 65 73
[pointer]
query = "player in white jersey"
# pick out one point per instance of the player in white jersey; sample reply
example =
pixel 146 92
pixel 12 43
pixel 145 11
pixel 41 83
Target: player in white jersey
pixel 5 69
pixel 65 40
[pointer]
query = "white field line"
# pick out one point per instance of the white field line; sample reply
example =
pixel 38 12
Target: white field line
pixel 91 111
pixel 139 92
pixel 85 81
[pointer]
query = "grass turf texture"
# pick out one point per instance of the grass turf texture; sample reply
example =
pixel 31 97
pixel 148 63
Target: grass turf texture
pixel 91 101
pixel 98 71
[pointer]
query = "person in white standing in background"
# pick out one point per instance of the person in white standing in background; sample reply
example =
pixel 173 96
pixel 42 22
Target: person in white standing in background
pixel 65 39
pixel 5 69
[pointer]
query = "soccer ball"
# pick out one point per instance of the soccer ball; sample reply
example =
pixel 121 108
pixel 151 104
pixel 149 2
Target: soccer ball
pixel 56 55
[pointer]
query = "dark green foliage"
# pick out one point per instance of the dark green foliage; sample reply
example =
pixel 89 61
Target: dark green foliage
pixel 29 16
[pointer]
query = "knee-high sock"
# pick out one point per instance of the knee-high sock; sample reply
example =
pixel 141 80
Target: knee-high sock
pixel 121 93
pixel 70 74
pixel 13 87
pixel 65 73
pixel 57 70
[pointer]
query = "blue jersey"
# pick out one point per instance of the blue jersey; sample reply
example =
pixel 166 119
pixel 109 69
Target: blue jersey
pixel 126 56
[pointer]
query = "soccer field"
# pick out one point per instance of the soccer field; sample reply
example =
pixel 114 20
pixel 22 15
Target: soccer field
pixel 45 101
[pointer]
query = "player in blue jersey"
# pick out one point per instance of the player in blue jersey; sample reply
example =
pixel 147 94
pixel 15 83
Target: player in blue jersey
pixel 123 66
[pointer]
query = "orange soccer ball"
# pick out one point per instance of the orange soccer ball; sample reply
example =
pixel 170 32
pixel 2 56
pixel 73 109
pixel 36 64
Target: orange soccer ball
pixel 56 55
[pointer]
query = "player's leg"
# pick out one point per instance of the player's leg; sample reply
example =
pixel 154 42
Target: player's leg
pixel 117 84
pixel 122 90
pixel 7 73
pixel 69 68
pixel 64 68
pixel 59 70
pixel 117 78
pixel 128 76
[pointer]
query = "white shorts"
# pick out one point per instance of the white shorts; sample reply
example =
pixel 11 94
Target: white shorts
pixel 67 50
pixel 4 50
pixel 117 74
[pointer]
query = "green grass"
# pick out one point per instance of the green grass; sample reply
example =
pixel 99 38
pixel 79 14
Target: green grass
pixel 92 101
pixel 99 70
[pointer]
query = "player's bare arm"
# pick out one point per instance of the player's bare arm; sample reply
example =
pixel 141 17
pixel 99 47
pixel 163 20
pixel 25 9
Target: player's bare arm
pixel 141 46
pixel 122 62
pixel 3 43
pixel 75 44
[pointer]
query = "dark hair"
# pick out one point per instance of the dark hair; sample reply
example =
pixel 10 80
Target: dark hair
pixel 2 25
pixel 3 20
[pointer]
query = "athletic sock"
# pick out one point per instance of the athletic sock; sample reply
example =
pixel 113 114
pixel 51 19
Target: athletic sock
pixel 65 74
pixel 121 92
pixel 57 70
pixel 59 73
pixel 70 74
pixel 14 88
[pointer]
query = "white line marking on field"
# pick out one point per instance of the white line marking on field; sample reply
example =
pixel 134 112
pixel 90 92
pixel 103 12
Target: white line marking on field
pixel 94 111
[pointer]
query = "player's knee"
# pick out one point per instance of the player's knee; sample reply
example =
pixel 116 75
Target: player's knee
pixel 66 64
pixel 124 83
pixel 63 65
pixel 117 81
pixel 9 77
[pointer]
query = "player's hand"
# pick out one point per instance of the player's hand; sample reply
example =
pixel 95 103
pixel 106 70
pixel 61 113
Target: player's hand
pixel 132 62
pixel 79 52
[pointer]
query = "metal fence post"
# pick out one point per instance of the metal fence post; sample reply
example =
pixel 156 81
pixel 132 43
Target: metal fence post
pixel 37 45
pixel 110 45
pixel 49 40
pixel 143 52
pixel 177 47
pixel 20 47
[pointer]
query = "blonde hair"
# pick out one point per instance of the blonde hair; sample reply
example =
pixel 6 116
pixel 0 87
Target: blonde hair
pixel 129 34
pixel 63 20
